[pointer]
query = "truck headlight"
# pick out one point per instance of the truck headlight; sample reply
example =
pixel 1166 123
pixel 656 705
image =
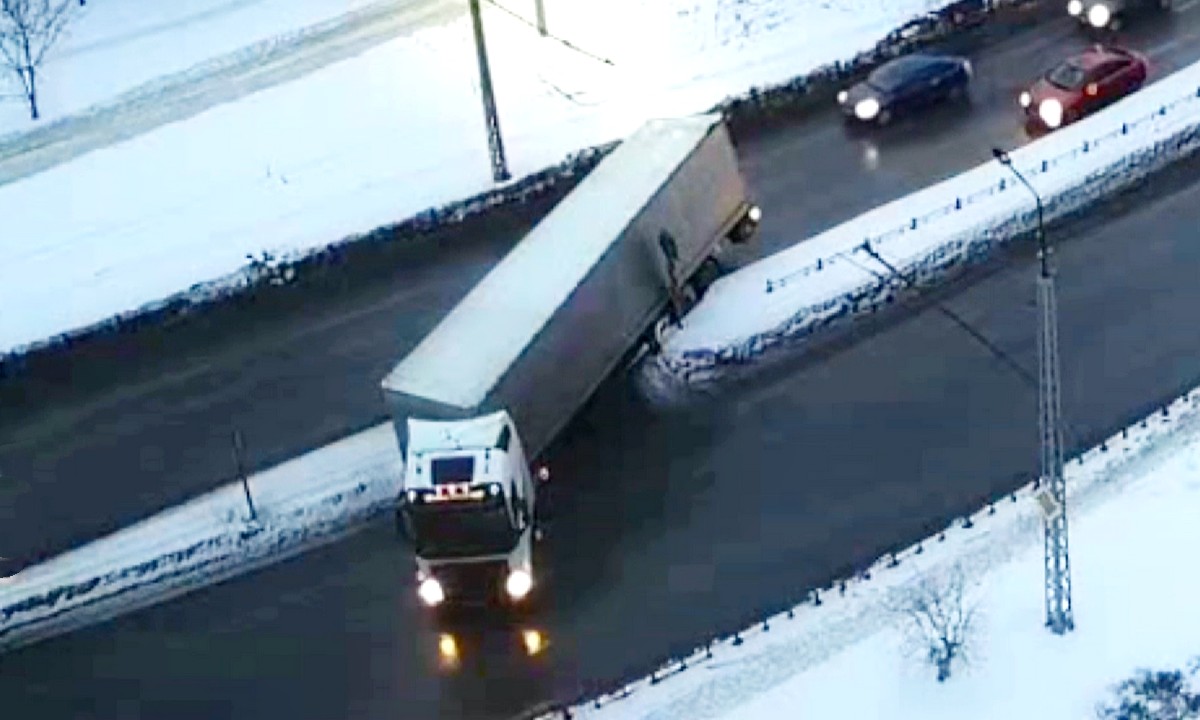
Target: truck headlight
pixel 1051 112
pixel 534 642
pixel 867 109
pixel 518 584
pixel 1075 8
pixel 431 592
pixel 755 213
pixel 1099 15
pixel 448 647
pixel 1025 99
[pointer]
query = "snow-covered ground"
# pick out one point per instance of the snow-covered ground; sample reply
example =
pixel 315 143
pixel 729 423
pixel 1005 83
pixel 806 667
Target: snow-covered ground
pixel 1133 509
pixel 382 136
pixel 1133 502
pixel 113 45
pixel 923 235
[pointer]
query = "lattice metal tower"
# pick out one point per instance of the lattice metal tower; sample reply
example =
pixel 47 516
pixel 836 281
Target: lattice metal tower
pixel 1059 616
pixel 500 171
pixel 1053 485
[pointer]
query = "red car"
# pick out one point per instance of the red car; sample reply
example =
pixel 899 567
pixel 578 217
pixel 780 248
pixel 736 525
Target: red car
pixel 1081 85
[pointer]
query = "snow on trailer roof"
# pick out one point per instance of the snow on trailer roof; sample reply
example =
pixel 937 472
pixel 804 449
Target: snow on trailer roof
pixel 472 347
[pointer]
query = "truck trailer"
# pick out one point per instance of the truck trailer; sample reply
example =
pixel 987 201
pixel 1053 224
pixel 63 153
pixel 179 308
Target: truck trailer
pixel 480 398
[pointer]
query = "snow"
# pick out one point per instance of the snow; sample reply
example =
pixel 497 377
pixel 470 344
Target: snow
pixel 380 137
pixel 433 435
pixel 114 45
pixel 309 500
pixel 1132 505
pixel 503 314
pixel 926 234
pixel 1132 502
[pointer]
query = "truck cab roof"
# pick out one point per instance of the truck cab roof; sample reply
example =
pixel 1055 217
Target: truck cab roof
pixel 459 451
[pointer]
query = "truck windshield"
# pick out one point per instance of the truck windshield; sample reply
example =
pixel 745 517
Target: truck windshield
pixel 458 530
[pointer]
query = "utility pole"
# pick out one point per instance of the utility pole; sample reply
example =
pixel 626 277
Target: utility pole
pixel 495 143
pixel 238 451
pixel 541 17
pixel 1052 494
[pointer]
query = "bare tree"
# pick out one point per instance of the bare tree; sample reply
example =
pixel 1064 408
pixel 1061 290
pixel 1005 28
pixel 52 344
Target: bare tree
pixel 28 29
pixel 1154 695
pixel 940 619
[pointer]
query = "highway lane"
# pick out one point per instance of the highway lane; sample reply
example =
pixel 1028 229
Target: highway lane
pixel 293 378
pixel 673 523
pixel 701 540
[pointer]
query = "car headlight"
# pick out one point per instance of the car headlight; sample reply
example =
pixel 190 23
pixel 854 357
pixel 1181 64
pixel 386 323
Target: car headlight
pixel 431 592
pixel 754 213
pixel 1075 8
pixel 842 97
pixel 1026 99
pixel 867 109
pixel 1099 16
pixel 1051 112
pixel 518 584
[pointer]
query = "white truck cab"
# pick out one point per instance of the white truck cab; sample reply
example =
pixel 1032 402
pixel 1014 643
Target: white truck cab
pixel 579 296
pixel 467 507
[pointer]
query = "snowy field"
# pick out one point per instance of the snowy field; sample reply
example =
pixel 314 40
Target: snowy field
pixel 383 136
pixel 114 45
pixel 924 235
pixel 1133 539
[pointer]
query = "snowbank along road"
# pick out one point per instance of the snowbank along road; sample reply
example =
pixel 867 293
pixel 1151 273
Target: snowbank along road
pixel 220 80
pixel 687 521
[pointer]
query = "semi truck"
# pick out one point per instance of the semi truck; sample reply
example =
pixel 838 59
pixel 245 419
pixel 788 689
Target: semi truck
pixel 479 399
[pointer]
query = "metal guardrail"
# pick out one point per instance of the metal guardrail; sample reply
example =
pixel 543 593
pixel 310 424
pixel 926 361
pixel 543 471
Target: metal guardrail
pixel 610 693
pixel 964 201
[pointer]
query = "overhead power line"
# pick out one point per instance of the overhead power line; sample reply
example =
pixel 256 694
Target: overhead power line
pixel 1008 360
pixel 566 43
pixel 956 319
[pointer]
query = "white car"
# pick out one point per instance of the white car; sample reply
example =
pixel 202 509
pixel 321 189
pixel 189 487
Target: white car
pixel 1109 14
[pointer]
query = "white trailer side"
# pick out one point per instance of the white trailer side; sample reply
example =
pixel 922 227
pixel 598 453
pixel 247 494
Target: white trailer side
pixel 544 328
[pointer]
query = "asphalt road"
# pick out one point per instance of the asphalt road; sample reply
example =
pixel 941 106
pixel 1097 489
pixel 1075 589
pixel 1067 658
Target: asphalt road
pixel 666 524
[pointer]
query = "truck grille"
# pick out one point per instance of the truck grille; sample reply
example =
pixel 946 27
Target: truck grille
pixel 473 583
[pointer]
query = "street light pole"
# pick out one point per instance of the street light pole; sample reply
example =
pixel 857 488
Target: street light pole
pixel 541 17
pixel 1053 486
pixel 500 171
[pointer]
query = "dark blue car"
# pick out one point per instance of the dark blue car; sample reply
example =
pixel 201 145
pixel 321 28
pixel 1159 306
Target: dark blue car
pixel 906 84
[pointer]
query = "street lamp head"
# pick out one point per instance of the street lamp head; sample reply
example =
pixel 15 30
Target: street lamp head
pixel 1001 156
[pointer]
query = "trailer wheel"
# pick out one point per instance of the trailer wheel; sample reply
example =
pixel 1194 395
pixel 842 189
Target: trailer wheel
pixel 708 273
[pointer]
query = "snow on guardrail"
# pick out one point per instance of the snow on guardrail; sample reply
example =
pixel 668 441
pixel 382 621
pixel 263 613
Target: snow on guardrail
pixel 304 502
pixel 791 295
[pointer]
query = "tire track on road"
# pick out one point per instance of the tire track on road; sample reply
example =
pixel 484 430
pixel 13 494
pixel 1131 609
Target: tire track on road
pixel 185 94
